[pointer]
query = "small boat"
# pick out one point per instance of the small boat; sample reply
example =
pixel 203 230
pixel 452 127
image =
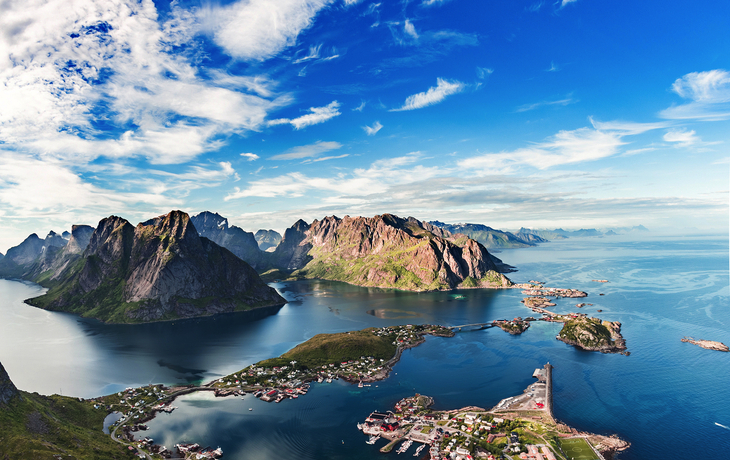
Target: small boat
pixel 418 451
pixel 250 408
pixel 359 385
pixel 373 439
pixel 329 380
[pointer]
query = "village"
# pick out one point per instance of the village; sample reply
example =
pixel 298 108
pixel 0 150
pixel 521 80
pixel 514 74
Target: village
pixel 519 427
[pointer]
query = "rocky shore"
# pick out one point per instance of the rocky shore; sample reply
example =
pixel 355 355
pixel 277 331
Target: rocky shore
pixel 707 344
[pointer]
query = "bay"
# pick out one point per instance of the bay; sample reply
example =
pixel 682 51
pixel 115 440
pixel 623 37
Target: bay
pixel 659 398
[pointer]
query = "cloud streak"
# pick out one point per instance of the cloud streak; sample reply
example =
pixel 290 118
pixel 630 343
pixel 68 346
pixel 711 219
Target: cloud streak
pixel 434 95
pixel 315 116
pixel 708 93
pixel 372 130
pixel 306 151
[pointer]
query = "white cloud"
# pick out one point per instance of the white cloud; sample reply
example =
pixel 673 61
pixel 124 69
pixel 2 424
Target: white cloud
pixel 313 54
pixel 553 67
pixel 565 147
pixel 317 115
pixel 76 64
pixel 250 156
pixel 410 29
pixel 306 151
pixel 360 107
pixel 372 130
pixel 259 29
pixel 564 3
pixel 434 95
pixel 682 137
pixel 433 2
pixel 351 2
pixel 709 93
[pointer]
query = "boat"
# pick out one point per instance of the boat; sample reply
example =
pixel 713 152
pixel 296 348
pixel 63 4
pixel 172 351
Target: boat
pixel 373 439
pixel 329 380
pixel 360 426
pixel 359 385
pixel 418 451
pixel 250 408
pixel 405 446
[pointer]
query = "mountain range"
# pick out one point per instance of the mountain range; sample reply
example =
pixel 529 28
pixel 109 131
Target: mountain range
pixel 490 237
pixel 162 269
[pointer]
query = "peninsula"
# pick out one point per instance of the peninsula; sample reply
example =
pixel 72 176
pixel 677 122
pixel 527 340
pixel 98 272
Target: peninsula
pixel 518 427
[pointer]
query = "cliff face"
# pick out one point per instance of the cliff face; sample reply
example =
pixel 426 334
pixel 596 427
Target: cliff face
pixel 387 251
pixel 7 389
pixel 242 243
pixel 162 269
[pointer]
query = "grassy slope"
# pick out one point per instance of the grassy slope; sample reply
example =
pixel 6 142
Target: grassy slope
pixel 39 427
pixel 334 348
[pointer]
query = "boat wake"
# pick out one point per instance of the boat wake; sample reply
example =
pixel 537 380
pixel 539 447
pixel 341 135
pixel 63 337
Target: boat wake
pixel 723 426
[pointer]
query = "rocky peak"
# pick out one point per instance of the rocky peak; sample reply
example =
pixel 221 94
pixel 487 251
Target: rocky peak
pixel 7 389
pixel 79 239
pixel 207 220
pixel 111 240
pixel 54 239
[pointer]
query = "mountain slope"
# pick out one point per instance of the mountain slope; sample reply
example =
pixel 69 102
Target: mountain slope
pixel 160 270
pixel 387 251
pixel 48 427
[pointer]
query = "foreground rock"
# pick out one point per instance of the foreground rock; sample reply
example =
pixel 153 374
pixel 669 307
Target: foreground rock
pixel 708 344
pixel 593 334
pixel 160 270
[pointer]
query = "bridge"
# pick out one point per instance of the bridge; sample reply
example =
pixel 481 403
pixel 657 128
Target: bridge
pixel 478 326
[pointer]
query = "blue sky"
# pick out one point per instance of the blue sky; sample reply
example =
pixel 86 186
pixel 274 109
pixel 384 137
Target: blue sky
pixel 580 113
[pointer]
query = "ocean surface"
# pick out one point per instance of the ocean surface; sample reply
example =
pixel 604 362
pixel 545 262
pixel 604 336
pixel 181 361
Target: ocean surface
pixel 667 398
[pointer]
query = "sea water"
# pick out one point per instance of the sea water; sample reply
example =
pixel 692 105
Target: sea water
pixel 668 398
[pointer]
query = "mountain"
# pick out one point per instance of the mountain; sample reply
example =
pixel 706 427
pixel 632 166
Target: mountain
pixel 489 237
pixel 161 269
pixel 387 251
pixel 544 234
pixel 22 261
pixel 48 427
pixel 267 239
pixel 242 243
pixel 525 235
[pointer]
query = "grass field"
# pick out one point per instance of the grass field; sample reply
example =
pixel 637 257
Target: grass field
pixel 577 449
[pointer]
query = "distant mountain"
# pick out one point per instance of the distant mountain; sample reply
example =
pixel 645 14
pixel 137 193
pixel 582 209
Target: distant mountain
pixel 160 270
pixel 530 237
pixel 489 237
pixel 240 242
pixel 267 239
pixel 387 251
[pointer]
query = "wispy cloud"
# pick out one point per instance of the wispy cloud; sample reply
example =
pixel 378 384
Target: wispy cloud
pixel 563 3
pixel 434 95
pixel 306 151
pixel 535 7
pixel 250 156
pixel 484 72
pixel 562 102
pixel 372 130
pixel 315 116
pixel 553 67
pixel 709 95
pixel 433 2
pixel 565 147
pixel 360 107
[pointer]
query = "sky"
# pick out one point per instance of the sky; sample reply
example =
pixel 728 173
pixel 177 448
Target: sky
pixel 572 114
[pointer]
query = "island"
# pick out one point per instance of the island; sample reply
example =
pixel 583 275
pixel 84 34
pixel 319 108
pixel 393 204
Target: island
pixel 579 330
pixel 520 426
pixel 707 344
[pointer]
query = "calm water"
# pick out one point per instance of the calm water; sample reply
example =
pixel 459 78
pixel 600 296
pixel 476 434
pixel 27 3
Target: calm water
pixel 660 290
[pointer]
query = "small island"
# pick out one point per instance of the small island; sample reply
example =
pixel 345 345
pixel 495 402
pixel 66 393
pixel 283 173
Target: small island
pixel 707 344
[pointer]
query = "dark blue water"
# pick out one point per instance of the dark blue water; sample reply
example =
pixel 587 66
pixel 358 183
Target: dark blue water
pixel 661 398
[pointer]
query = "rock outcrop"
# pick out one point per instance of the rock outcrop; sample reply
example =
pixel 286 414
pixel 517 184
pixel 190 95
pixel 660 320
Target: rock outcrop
pixel 7 389
pixel 159 270
pixel 387 251
pixel 593 334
